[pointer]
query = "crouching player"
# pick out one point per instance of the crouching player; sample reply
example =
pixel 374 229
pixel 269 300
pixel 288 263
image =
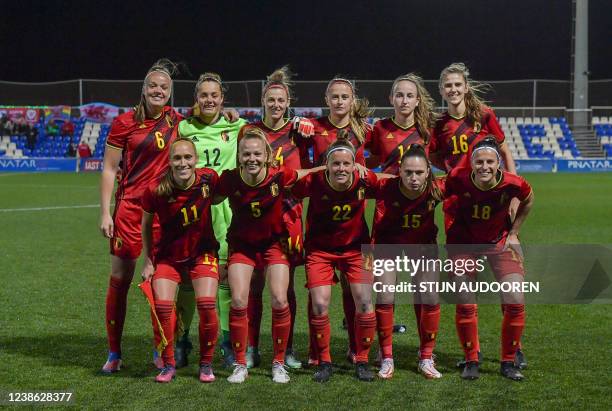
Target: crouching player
pixel 405 208
pixel 484 193
pixel 255 236
pixel 335 230
pixel 187 247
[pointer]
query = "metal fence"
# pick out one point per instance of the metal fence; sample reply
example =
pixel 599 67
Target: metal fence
pixel 534 94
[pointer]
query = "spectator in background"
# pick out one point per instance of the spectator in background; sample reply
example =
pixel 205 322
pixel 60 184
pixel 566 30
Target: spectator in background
pixel 32 136
pixel 84 150
pixel 9 127
pixel 21 127
pixel 3 120
pixel 71 150
pixel 68 128
pixel 52 128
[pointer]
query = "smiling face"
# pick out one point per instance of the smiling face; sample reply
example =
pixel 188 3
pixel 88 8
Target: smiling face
pixel 210 98
pixel 339 98
pixel 252 155
pixel 340 167
pixel 182 162
pixel 275 103
pixel 413 173
pixel 404 99
pixel 453 89
pixel 485 165
pixel 156 91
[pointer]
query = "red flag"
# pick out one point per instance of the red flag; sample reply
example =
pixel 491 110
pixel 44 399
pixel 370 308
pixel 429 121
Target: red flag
pixel 147 291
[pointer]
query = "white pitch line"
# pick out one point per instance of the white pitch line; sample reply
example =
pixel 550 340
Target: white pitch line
pixel 9 210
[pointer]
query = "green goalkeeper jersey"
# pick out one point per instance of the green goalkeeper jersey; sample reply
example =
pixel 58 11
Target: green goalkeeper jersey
pixel 217 145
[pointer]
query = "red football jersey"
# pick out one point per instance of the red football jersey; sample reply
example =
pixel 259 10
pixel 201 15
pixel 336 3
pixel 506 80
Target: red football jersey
pixel 390 140
pixel 145 149
pixel 257 210
pixel 282 142
pixel 184 217
pixel 335 219
pixel 454 138
pixel 325 133
pixel 400 220
pixel 482 216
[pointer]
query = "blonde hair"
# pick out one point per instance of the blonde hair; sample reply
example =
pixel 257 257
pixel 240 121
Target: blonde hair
pixel 342 143
pixel 359 110
pixel 163 66
pixel 209 76
pixel 424 115
pixel 279 78
pixel 257 134
pixel 474 103
pixel 167 183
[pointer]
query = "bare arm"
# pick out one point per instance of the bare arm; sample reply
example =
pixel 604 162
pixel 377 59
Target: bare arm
pixel 147 244
pixel 305 171
pixel 112 158
pixel 506 155
pixel 521 216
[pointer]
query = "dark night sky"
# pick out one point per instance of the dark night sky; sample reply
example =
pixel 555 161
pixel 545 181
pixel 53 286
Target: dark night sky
pixel 505 39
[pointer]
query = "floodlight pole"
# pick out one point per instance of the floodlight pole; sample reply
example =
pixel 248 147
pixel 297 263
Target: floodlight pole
pixel 580 58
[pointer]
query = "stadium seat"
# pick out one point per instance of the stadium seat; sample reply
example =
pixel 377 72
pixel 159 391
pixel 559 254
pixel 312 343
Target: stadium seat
pixel 605 140
pixel 595 120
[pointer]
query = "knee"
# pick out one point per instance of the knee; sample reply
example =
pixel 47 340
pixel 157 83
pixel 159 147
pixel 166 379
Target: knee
pixel 279 301
pixel 239 301
pixel 363 304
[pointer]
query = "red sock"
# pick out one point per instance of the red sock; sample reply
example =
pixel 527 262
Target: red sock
pixel 365 328
pixel 512 329
pixel 348 303
pixel 322 336
pixel 466 321
pixel 209 327
pixel 312 341
pixel 292 310
pixel 281 322
pixel 254 310
pixel 239 328
pixel 430 320
pixel 418 310
pixel 384 323
pixel 165 313
pixel 116 306
pixel 503 310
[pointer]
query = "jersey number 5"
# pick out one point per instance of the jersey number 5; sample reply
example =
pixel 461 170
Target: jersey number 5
pixel 255 209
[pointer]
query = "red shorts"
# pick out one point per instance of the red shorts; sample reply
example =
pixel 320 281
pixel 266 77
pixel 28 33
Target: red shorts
pixel 205 266
pixel 502 262
pixel 295 242
pixel 321 265
pixel 257 258
pixel 127 240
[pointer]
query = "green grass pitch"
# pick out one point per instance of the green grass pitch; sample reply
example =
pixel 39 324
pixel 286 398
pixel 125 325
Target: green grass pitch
pixel 52 337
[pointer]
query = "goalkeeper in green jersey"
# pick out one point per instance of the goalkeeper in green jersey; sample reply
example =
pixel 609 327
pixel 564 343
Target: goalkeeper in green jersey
pixel 215 139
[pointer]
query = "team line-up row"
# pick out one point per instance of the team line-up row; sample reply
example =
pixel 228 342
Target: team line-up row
pixel 217 207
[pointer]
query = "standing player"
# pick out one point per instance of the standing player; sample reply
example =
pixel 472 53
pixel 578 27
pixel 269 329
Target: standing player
pixel 412 123
pixel 139 141
pixel 405 208
pixel 483 194
pixel 280 132
pixel 335 230
pixel 467 121
pixel 215 139
pixel 347 112
pixel 255 192
pixel 181 200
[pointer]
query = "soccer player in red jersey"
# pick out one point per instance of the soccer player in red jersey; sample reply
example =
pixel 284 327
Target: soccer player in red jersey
pixel 181 200
pixel 346 112
pixel 139 140
pixel 280 132
pixel 335 230
pixel 467 121
pixel 405 208
pixel 255 237
pixel 412 122
pixel 483 194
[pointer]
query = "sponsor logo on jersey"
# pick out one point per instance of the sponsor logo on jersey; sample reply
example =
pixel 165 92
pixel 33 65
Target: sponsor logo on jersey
pixel 396 204
pixel 467 195
pixel 324 197
pixel 205 191
pixel 390 136
pixel 274 189
pixel 171 200
pixel 194 139
pixel 324 133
